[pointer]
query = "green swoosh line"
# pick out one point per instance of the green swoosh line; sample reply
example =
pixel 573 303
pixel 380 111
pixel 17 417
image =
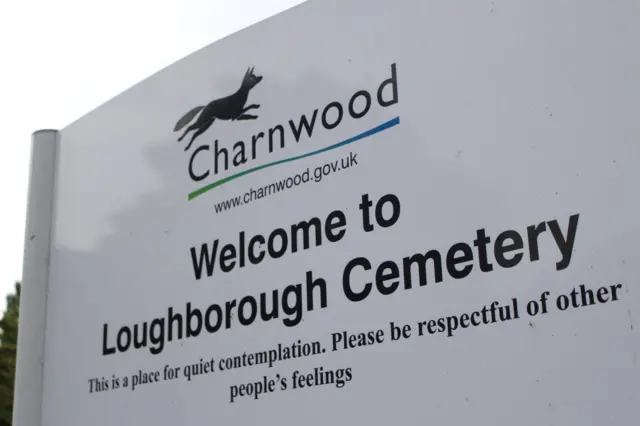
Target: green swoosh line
pixel 384 126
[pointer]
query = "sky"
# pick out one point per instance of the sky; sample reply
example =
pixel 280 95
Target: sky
pixel 61 59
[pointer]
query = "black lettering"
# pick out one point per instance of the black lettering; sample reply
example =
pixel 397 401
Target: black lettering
pixel 240 156
pixel 452 260
pixel 173 318
pixel 481 243
pixel 312 284
pixel 304 226
pixel 123 334
pixel 254 143
pixel 294 309
pixel 192 175
pixel 421 260
pixel 283 248
pixel 297 132
pixel 381 277
pixel 346 280
pixel 212 327
pixel 365 206
pixel 330 226
pixel 395 210
pixel 271 132
pixel 267 316
pixel 565 245
pixel 614 291
pixel 229 312
pixel 204 259
pixel 355 96
pixel 191 314
pixel 533 232
pixel 252 256
pixel 393 81
pixel 228 253
pixel 217 154
pixel 156 339
pixel 243 318
pixel 335 124
pixel 501 249
pixel 105 350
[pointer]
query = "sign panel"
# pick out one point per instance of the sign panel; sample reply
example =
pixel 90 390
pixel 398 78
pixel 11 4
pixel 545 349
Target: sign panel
pixel 359 212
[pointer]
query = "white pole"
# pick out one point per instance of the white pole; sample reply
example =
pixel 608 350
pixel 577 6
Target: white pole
pixel 27 406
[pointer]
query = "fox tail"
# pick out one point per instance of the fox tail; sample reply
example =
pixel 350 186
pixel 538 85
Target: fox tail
pixel 186 119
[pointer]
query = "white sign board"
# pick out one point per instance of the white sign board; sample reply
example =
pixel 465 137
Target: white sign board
pixel 359 212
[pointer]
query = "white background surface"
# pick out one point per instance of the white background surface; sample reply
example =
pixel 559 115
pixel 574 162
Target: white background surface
pixel 509 116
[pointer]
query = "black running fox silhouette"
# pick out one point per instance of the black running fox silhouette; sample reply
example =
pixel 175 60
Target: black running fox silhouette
pixel 231 107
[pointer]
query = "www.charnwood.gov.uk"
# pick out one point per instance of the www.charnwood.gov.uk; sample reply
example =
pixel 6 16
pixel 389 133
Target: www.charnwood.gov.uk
pixel 314 175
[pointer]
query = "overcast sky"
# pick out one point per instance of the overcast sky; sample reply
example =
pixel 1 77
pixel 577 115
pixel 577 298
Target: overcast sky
pixel 62 58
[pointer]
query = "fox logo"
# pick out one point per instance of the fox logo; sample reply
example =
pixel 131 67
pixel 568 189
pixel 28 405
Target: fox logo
pixel 231 107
